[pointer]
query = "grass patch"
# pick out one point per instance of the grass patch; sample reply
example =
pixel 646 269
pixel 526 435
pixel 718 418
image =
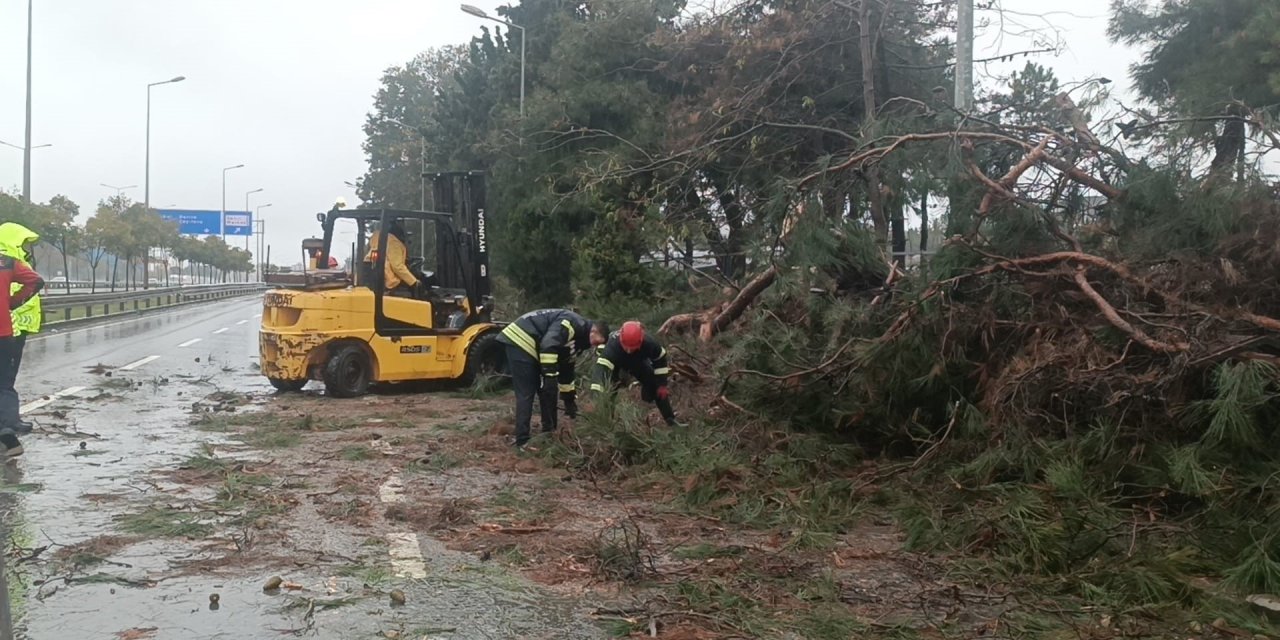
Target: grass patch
pixel 509 505
pixel 205 462
pixel 435 463
pixel 21 487
pixel 375 576
pixel 707 551
pixel 356 453
pixel 272 437
pixel 165 522
pixel 744 474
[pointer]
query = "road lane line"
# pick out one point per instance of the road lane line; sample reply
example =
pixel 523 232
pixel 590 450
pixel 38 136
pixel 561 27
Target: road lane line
pixel 55 332
pixel 222 330
pixel 138 363
pixel 406 555
pixel 190 342
pixel 36 404
pixel 391 491
pixel 241 322
pixel 403 546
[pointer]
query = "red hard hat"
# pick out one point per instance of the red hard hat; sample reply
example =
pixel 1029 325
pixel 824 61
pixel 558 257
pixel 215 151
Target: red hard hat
pixel 631 336
pixel 333 262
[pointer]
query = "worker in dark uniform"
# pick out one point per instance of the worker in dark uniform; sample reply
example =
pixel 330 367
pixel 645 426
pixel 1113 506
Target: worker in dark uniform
pixel 540 348
pixel 632 351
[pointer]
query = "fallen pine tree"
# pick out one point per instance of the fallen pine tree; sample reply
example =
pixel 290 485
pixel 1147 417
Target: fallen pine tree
pixel 1095 406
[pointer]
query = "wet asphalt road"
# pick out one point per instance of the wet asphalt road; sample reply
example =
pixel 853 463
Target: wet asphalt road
pixel 101 434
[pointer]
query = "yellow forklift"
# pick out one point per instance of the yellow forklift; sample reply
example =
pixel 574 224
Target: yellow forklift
pixel 345 329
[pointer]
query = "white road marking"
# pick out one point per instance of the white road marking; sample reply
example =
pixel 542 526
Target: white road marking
pixel 36 404
pixel 392 490
pixel 241 322
pixel 405 550
pixel 55 333
pixel 222 330
pixel 257 316
pixel 138 363
pixel 406 555
pixel 190 342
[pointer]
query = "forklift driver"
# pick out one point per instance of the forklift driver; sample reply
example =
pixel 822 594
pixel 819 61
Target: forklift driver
pixel 397 278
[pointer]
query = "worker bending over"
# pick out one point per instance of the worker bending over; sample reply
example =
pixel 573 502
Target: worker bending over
pixel 631 350
pixel 540 348
pixel 396 277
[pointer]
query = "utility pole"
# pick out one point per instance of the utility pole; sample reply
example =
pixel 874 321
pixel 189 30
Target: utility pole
pixel 964 56
pixel 26 151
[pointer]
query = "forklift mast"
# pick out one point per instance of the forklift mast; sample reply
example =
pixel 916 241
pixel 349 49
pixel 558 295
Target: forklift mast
pixel 462 194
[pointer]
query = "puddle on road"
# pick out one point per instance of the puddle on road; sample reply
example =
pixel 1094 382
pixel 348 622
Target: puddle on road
pixel 160 589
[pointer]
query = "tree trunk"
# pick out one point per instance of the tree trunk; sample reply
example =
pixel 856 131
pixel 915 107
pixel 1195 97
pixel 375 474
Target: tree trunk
pixel 866 44
pixel 899 207
pixel 146 268
pixel 66 264
pixel 115 267
pixel 924 224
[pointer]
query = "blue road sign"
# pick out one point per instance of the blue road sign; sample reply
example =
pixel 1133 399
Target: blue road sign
pixel 200 222
pixel 238 223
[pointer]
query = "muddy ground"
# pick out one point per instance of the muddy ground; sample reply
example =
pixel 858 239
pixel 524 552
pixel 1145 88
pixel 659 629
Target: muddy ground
pixel 410 516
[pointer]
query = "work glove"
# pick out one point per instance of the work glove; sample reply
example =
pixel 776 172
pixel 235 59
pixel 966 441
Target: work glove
pixel 570 404
pixel 420 290
pixel 663 394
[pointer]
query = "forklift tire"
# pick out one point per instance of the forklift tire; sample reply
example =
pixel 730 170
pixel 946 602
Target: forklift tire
pixel 486 358
pixel 348 372
pixel 287 386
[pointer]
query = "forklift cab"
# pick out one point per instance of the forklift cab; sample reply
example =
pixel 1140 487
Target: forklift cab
pixel 457 292
pixel 343 327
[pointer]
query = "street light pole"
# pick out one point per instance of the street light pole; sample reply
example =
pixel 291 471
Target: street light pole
pixel 21 148
pixel 119 190
pixel 480 13
pixel 964 56
pixel 26 151
pixel 422 181
pixel 222 221
pixel 246 211
pixel 261 233
pixel 146 193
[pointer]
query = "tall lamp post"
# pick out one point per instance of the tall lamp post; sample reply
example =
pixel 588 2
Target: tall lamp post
pixel 146 191
pixel 119 190
pixel 26 159
pixel 21 148
pixel 246 210
pixel 421 182
pixel 479 13
pixel 26 145
pixel 261 232
pixel 222 222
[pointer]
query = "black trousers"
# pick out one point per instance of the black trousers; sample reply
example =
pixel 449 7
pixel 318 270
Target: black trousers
pixel 10 360
pixel 643 373
pixel 528 381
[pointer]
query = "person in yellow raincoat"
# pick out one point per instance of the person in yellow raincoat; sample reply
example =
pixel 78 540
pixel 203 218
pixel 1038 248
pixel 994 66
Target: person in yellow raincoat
pixel 396 277
pixel 17 242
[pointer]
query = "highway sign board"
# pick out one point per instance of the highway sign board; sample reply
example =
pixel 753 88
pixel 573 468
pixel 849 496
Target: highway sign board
pixel 203 222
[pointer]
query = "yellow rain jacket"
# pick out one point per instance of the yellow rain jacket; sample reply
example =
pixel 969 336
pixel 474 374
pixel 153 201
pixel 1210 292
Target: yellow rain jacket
pixel 13 243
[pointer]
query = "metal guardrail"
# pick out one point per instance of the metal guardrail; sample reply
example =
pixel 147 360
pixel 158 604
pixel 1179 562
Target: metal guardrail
pixel 79 307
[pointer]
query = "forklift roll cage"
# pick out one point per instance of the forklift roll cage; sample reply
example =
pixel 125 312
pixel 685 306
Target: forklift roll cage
pixel 462 252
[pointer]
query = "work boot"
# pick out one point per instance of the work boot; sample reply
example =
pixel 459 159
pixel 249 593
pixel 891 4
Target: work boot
pixel 24 427
pixel 668 414
pixel 12 448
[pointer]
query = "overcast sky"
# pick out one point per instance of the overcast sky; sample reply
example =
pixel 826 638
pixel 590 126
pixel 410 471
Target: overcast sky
pixel 283 86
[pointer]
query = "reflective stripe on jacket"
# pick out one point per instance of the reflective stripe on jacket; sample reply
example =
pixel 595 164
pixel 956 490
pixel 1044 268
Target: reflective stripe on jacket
pixel 13 240
pixel 550 336
pixel 611 356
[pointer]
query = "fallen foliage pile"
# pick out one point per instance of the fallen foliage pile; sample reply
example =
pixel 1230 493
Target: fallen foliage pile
pixel 1082 394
